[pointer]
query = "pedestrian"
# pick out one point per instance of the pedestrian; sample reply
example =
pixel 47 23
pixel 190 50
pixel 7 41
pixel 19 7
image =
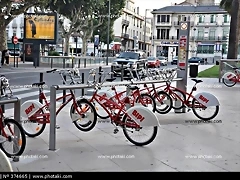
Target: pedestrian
pixel 6 55
pixel 0 59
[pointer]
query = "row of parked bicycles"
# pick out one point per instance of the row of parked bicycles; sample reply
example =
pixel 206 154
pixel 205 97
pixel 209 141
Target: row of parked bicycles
pixel 134 109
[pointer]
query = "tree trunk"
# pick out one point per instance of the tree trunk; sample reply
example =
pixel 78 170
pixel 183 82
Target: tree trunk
pixel 3 36
pixel 84 46
pixel 233 34
pixel 67 50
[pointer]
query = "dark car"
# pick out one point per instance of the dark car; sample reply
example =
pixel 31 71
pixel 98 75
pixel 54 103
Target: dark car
pixel 153 62
pixel 137 60
pixel 196 60
pixel 174 60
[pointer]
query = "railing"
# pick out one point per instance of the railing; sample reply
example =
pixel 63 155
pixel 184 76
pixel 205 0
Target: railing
pixel 226 65
pixel 70 62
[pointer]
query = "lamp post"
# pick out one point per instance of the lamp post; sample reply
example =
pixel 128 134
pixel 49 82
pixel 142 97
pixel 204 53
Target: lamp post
pixel 145 27
pixel 108 33
pixel 76 35
pixel 194 40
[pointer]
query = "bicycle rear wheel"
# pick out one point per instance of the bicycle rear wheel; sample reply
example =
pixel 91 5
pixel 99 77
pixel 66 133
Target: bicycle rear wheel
pixel 229 82
pixel 141 133
pixel 87 120
pixel 176 95
pixel 15 140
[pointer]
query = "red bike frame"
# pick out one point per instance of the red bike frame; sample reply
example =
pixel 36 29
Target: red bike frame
pixel 43 118
pixel 235 78
pixel 108 104
pixel 1 125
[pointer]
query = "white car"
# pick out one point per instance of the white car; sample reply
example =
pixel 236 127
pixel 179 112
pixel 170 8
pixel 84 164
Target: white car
pixel 163 60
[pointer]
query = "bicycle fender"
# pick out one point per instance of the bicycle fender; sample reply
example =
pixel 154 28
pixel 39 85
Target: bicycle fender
pixel 143 116
pixel 30 107
pixel 228 75
pixel 5 165
pixel 207 99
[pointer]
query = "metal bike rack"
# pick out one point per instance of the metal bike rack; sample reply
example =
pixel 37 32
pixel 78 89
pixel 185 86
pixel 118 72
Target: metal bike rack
pixel 17 112
pixel 54 88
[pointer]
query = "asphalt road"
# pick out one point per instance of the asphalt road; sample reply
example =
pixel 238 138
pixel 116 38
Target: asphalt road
pixel 21 80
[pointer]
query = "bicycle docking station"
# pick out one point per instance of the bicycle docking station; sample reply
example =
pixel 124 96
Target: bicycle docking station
pixel 55 88
pixel 17 113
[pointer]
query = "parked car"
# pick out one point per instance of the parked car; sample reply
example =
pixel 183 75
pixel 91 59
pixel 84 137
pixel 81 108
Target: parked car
pixel 137 60
pixel 163 60
pixel 153 62
pixel 17 53
pixel 174 60
pixel 196 60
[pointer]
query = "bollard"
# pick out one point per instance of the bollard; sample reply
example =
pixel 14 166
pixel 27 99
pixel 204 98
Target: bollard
pixel 100 70
pixel 64 63
pixel 82 83
pixel 17 62
pixel 51 63
pixel 122 72
pixel 85 62
pixel 64 91
pixel 111 71
pixel 79 63
pixel 41 80
pixel 72 62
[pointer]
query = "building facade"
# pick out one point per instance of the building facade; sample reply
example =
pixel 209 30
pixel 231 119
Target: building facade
pixel 130 29
pixel 209 29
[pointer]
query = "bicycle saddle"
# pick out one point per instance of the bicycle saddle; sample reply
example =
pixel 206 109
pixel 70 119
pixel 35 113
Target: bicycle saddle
pixel 127 78
pixel 38 84
pixel 133 88
pixel 110 79
pixel 235 68
pixel 197 81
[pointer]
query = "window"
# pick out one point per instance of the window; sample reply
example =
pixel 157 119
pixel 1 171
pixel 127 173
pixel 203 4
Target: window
pixel 200 35
pixel 205 49
pixel 225 16
pixel 140 36
pixel 14 34
pixel 158 18
pixel 158 33
pixel 137 33
pixel 134 21
pixel 213 19
pixel 164 33
pixel 201 19
pixel 165 18
pixel 177 33
pixel 212 34
pixel 133 32
pixel 21 34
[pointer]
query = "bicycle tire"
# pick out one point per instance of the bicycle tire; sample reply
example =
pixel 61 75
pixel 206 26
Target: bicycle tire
pixel 152 99
pixel 38 132
pixel 23 140
pixel 224 82
pixel 125 132
pixel 169 107
pixel 182 95
pixel 204 119
pixel 90 124
pixel 101 116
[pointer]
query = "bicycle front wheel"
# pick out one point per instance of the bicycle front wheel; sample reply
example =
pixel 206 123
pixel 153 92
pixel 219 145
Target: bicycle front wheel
pixel 87 119
pixel 140 136
pixel 15 142
pixel 147 101
pixel 163 103
pixel 204 113
pixel 229 82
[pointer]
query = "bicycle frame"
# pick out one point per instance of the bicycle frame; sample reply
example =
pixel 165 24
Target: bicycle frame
pixel 102 100
pixel 1 124
pixel 45 117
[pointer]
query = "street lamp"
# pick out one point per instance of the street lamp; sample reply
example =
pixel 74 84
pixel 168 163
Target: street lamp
pixel 145 27
pixel 108 30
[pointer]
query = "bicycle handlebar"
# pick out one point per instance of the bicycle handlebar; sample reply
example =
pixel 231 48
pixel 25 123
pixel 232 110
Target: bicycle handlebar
pixel 50 71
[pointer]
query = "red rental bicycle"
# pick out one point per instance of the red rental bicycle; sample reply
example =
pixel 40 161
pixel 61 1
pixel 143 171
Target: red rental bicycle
pixel 230 79
pixel 12 136
pixel 35 115
pixel 136 119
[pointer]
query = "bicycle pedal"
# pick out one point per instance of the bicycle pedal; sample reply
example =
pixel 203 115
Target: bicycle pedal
pixel 57 127
pixel 115 131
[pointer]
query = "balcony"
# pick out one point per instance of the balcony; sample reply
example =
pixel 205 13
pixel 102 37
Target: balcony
pixel 125 36
pixel 226 23
pixel 125 22
pixel 164 24
pixel 208 38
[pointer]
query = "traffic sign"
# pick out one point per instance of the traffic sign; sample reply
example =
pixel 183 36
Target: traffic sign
pixel 15 40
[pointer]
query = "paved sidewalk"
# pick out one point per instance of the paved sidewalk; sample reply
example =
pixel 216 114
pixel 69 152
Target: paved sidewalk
pixel 179 146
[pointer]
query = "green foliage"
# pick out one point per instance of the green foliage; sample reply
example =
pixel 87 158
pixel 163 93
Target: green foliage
pixel 53 53
pixel 226 4
pixel 116 12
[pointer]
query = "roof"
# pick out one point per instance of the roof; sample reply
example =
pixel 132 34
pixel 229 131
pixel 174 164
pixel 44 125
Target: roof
pixel 189 9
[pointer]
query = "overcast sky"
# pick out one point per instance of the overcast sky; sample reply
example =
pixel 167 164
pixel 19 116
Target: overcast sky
pixel 156 4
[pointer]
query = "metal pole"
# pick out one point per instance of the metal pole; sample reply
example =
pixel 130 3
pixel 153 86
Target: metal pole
pixel 100 70
pixel 145 26
pixel 17 117
pixel 52 134
pixel 41 80
pixel 64 91
pixel 108 31
pixel 62 47
pixel 82 83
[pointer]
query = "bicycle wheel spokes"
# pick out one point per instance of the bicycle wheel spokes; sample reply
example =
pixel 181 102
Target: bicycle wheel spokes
pixel 15 139
pixel 137 135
